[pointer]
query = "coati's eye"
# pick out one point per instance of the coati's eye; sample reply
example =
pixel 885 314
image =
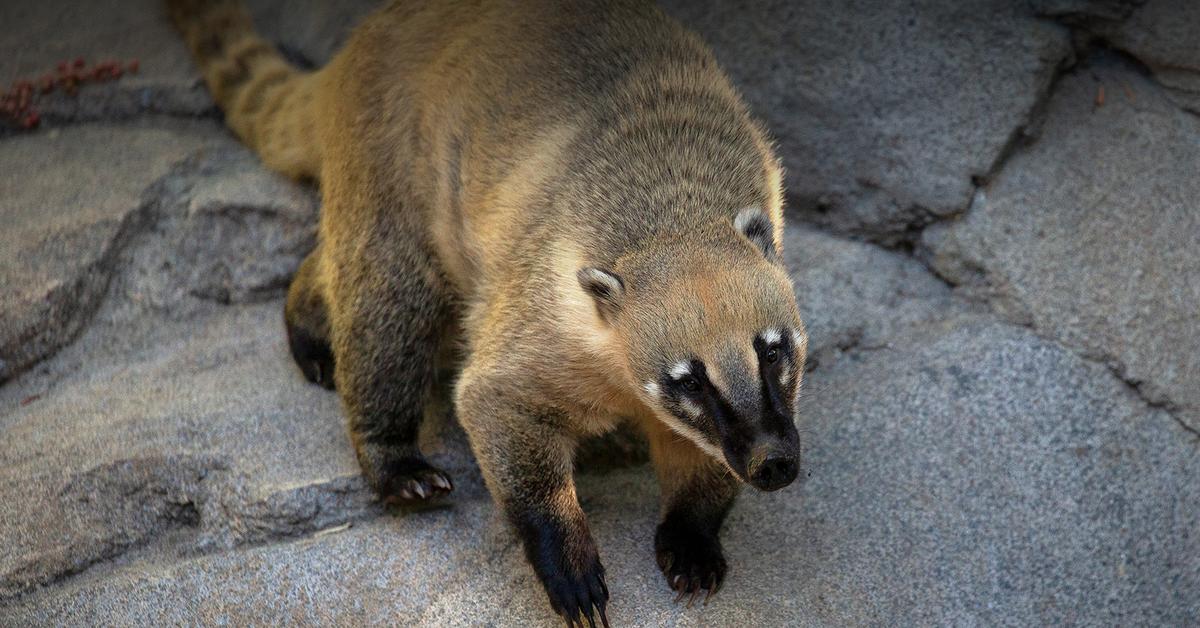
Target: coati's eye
pixel 772 355
pixel 685 376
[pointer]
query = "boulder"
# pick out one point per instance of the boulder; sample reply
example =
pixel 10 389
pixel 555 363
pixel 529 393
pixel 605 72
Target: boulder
pixel 71 198
pixel 1091 234
pixel 885 112
pixel 1160 34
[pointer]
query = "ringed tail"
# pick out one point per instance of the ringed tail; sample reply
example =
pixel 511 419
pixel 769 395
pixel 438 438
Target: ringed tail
pixel 267 102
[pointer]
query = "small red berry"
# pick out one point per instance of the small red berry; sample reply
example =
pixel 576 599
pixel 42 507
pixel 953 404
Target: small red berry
pixel 79 62
pixel 133 66
pixel 31 120
pixel 62 66
pixel 46 84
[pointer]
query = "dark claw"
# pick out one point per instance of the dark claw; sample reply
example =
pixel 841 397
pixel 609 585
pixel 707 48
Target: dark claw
pixel 711 585
pixel 578 597
pixel 411 481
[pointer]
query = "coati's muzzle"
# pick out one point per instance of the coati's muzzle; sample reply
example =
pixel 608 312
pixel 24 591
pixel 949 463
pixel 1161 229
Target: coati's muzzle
pixel 769 462
pixel 755 426
pixel 773 468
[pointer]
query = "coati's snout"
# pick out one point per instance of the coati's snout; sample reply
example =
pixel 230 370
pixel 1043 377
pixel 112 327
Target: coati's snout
pixel 738 404
pixel 774 467
pixel 749 409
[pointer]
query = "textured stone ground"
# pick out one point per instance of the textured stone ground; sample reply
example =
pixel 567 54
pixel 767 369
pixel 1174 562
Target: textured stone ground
pixel 995 236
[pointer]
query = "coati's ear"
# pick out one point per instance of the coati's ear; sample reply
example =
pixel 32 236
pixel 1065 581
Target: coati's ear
pixel 754 224
pixel 605 288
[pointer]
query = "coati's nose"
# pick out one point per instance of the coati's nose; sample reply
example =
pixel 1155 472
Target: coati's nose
pixel 774 473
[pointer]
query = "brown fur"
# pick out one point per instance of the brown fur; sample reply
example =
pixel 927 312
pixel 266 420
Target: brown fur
pixel 472 158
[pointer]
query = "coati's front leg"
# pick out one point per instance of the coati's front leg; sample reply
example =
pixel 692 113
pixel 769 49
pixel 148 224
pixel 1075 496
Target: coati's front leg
pixel 697 493
pixel 389 308
pixel 526 453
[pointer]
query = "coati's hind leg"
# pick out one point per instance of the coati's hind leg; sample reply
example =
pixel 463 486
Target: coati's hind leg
pixel 390 309
pixel 697 493
pixel 307 323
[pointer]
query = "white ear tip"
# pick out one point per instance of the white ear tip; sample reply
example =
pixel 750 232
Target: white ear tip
pixel 758 228
pixel 746 217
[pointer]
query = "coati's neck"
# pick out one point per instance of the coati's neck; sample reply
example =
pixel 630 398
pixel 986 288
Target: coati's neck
pixel 664 172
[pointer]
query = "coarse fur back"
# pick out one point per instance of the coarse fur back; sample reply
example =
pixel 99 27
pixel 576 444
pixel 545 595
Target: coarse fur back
pixel 572 199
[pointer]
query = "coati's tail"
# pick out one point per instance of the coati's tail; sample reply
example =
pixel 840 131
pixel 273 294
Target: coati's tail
pixel 267 102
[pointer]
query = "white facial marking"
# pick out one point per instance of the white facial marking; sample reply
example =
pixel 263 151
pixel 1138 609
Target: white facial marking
pixel 799 340
pixel 681 369
pixel 651 389
pixel 771 336
pixel 692 434
pixel 690 407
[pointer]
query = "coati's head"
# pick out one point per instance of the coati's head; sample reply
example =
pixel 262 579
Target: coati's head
pixel 713 340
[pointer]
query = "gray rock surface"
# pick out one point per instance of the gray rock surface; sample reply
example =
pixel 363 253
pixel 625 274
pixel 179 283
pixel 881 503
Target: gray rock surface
pixel 121 30
pixel 165 463
pixel 1092 235
pixel 167 81
pixel 884 111
pixel 70 198
pixel 182 432
pixel 1161 34
pixel 854 295
pixel 911 514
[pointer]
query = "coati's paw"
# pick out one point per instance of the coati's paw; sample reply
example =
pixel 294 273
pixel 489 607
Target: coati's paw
pixel 411 481
pixel 312 355
pixel 690 560
pixel 578 594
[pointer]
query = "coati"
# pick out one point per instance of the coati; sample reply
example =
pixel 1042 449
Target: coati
pixel 571 197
